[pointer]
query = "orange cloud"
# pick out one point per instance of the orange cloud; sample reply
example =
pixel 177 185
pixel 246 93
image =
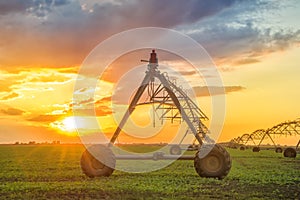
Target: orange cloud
pixel 12 111
pixel 46 118
pixel 49 78
pixel 205 91
pixel 245 61
pixel 5 86
pixel 10 96
pixel 90 107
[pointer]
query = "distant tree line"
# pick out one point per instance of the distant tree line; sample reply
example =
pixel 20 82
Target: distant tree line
pixel 56 142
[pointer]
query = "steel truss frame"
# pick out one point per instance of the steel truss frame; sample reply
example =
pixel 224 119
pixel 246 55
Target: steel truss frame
pixel 287 128
pixel 171 100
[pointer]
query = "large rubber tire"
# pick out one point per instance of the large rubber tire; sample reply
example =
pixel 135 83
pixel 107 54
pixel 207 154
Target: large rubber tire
pixel 98 160
pixel 278 150
pixel 242 148
pixel 216 164
pixel 256 149
pixel 290 153
pixel 175 150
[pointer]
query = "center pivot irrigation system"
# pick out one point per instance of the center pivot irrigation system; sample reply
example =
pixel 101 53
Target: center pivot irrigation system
pixel 175 104
pixel 288 128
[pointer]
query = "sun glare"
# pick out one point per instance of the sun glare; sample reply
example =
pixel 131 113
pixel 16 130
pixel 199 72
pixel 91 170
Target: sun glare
pixel 69 124
pixel 66 126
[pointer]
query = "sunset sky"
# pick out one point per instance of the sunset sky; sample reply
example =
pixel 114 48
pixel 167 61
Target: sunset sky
pixel 255 45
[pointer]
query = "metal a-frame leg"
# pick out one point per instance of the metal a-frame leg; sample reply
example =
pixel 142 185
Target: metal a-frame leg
pixel 166 84
pixel 186 132
pixel 249 139
pixel 297 146
pixel 138 95
pixel 131 107
pixel 264 138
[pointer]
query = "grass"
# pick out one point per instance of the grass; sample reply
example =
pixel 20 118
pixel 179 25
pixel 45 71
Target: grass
pixel 53 172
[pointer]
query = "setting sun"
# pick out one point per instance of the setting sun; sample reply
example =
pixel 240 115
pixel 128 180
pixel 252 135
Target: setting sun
pixel 74 125
pixel 69 124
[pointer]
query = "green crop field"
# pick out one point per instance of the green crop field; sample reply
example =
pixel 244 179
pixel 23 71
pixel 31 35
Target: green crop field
pixel 53 172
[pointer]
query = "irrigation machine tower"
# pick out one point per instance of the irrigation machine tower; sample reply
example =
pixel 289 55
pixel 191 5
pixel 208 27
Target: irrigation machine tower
pixel 288 128
pixel 174 104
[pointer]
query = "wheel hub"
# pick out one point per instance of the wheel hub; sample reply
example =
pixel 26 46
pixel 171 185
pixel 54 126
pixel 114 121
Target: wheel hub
pixel 212 163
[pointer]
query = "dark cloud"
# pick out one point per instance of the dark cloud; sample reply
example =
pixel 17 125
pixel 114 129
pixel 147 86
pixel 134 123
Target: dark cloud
pixel 239 35
pixel 36 7
pixel 12 111
pixel 165 13
pixel 221 40
pixel 68 33
pixel 41 8
pixel 12 6
pixel 215 90
pixel 199 9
